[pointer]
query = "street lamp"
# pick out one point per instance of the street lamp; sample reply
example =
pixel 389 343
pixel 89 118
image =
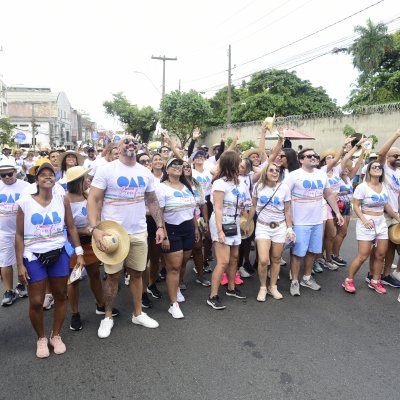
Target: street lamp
pixel 153 84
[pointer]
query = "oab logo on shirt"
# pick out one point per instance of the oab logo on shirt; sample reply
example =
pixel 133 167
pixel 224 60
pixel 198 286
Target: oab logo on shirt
pixel 47 224
pixel 381 199
pixel 313 184
pixel 131 185
pixel 394 183
pixel 265 199
pixel 184 196
pixel 83 211
pixel 7 203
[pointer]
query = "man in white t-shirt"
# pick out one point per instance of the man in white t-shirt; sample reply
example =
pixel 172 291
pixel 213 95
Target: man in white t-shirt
pixel 10 191
pixel 118 193
pixel 308 186
pixel 90 159
pixel 390 157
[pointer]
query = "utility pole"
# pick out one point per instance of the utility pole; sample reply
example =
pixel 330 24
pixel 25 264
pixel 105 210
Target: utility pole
pixel 163 60
pixel 229 116
pixel 33 127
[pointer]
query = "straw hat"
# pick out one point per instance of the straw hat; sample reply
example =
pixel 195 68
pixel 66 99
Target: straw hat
pixel 39 162
pixel 394 233
pixel 243 222
pixel 249 152
pixel 117 243
pixel 327 152
pixel 74 173
pixel 64 154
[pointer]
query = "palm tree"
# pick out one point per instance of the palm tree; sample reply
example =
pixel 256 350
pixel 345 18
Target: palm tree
pixel 368 50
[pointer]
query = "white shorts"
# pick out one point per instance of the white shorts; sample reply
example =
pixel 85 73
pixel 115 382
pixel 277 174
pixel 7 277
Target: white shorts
pixel 229 240
pixel 380 230
pixel 7 251
pixel 276 235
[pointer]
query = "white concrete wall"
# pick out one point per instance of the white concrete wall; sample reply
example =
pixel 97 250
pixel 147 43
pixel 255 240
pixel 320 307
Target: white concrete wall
pixel 328 132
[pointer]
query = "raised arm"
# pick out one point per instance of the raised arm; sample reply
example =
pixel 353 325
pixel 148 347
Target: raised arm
pixel 387 145
pixel 195 135
pixel 171 145
pixel 357 165
pixel 278 147
pixel 350 153
pixel 221 146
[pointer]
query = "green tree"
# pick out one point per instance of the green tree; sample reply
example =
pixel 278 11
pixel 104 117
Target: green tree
pixel 137 120
pixel 349 131
pixel 280 92
pixel 6 132
pixel 369 49
pixel 181 112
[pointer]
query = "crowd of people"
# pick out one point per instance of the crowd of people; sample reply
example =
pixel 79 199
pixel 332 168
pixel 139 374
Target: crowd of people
pixel 165 206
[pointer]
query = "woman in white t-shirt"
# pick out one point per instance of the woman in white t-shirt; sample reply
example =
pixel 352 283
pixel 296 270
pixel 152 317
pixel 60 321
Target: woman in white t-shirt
pixel 176 199
pixel 271 200
pixel 370 200
pixel 41 255
pixel 228 195
pixel 201 216
pixel 77 185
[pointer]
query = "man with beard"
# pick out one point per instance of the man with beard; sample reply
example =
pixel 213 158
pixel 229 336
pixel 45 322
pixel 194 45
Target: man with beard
pixel 118 193
pixel 389 157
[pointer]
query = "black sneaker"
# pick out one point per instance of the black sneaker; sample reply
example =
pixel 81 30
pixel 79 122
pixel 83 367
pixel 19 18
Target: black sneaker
pixel 21 290
pixel 8 298
pixel 146 303
pixel 215 303
pixel 153 290
pixel 249 268
pixel 368 278
pixel 338 261
pixel 76 324
pixel 206 267
pixel 102 311
pixel 210 258
pixel 235 293
pixel 163 274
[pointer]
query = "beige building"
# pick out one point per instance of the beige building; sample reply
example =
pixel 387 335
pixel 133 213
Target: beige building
pixel 3 99
pixel 49 113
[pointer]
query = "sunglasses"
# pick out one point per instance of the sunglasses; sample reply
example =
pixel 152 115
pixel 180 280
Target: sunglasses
pixel 128 141
pixel 187 167
pixel 282 155
pixel 310 156
pixel 176 166
pixel 143 162
pixel 7 175
pixel 273 170
pixel 396 156
pixel 377 167
pixel 164 151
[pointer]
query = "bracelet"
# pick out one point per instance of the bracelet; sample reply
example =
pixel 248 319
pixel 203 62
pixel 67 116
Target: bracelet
pixel 160 227
pixel 290 230
pixel 79 251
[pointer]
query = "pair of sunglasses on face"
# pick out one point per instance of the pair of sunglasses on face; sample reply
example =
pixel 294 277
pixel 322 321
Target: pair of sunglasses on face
pixel 310 156
pixel 7 175
pixel 128 141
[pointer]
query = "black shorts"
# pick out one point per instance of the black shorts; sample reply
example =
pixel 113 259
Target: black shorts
pixel 210 207
pixel 151 227
pixel 181 237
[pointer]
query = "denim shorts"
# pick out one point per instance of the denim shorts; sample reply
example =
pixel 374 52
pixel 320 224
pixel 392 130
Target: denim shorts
pixel 181 237
pixel 37 271
pixel 308 239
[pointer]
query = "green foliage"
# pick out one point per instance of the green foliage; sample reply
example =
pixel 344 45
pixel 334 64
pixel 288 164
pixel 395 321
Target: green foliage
pixel 369 49
pixel 181 112
pixel 348 131
pixel 6 132
pixel 377 55
pixel 374 140
pixel 140 121
pixel 268 92
pixel 247 144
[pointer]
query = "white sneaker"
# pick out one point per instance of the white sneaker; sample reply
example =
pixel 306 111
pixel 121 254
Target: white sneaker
pixel 330 265
pixel 395 275
pixel 105 327
pixel 283 262
pixel 180 297
pixel 48 301
pixel 243 273
pixel 127 279
pixel 144 320
pixel 175 311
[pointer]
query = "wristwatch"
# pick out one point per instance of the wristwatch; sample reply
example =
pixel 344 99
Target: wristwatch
pixel 91 228
pixel 160 227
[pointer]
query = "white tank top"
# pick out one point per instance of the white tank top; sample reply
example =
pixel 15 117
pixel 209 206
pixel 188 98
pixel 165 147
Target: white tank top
pixel 79 214
pixel 43 226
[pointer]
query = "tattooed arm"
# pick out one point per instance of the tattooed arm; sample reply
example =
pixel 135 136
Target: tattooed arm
pixel 155 211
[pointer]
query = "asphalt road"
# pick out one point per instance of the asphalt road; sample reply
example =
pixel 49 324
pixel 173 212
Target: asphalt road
pixel 321 345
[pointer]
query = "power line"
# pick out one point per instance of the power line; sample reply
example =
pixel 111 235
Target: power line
pixel 311 34
pixel 239 11
pixel 287 45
